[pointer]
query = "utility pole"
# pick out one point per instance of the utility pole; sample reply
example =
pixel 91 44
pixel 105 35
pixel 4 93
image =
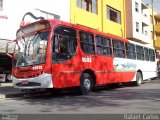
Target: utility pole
pixel 153 25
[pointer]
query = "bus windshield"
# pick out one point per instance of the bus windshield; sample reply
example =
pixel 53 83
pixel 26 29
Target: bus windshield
pixel 31 50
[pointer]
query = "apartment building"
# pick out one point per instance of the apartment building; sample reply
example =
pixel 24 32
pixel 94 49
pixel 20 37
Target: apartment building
pixel 104 15
pixel 137 21
pixel 157 31
pixel 157 35
pixel 87 13
pixel 125 18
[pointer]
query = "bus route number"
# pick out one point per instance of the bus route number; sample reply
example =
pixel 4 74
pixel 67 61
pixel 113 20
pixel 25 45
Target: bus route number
pixel 37 67
pixel 87 59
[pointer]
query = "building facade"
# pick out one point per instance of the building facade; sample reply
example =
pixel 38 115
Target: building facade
pixel 104 15
pixel 155 26
pixel 125 18
pixel 137 21
pixel 157 31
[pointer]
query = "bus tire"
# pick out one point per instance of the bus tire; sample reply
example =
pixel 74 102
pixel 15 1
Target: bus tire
pixel 139 79
pixel 8 77
pixel 86 83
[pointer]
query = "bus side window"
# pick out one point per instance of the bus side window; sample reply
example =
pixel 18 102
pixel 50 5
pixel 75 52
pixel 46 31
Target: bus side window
pixel 64 44
pixel 140 52
pixel 87 42
pixel 130 50
pixel 146 53
pixel 56 44
pixel 118 48
pixel 151 55
pixel 103 46
pixel 55 48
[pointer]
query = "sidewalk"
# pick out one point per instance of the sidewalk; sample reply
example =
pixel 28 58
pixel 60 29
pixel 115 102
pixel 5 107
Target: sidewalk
pixel 7 89
pixel 5 84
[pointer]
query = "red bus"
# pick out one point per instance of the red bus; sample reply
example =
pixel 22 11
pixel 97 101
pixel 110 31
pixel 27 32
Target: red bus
pixel 55 54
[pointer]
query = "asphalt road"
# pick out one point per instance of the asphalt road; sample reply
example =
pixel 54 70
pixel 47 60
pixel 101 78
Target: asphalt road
pixel 121 100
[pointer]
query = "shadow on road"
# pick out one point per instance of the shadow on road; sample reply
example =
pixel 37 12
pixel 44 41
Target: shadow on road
pixel 101 97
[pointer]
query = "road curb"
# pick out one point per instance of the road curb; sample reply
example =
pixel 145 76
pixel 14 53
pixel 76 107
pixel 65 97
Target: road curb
pixel 7 90
pixel 6 84
pixel 14 95
pixel 2 96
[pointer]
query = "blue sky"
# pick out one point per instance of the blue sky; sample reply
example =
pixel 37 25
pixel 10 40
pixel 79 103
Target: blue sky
pixel 156 3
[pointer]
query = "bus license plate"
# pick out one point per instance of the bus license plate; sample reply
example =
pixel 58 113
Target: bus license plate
pixel 25 82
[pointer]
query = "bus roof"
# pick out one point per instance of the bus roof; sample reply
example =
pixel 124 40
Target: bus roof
pixel 54 22
pixel 88 29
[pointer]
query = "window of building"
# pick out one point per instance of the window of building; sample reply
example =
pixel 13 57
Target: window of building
pixel 113 15
pixel 119 49
pixel 130 50
pixel 103 46
pixel 137 27
pixel 1 5
pixel 88 5
pixel 157 21
pixel 87 42
pixel 136 7
pixel 140 52
pixel 146 32
pixel 158 36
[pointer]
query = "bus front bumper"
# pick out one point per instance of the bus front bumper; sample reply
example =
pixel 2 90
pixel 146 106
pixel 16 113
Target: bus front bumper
pixel 42 81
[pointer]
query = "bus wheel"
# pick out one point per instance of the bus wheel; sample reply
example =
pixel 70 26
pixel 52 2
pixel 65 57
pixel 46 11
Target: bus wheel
pixel 139 79
pixel 9 78
pixel 86 83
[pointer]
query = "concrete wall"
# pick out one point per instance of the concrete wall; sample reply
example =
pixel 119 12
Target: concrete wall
pixel 85 18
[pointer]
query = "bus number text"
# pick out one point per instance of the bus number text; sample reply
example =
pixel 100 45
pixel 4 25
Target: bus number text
pixel 86 59
pixel 37 67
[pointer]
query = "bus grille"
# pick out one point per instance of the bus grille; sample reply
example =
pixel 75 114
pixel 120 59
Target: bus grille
pixel 29 84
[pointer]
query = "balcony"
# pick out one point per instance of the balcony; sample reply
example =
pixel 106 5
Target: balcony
pixel 145 14
pixel 157 28
pixel 140 17
pixel 139 37
pixel 157 43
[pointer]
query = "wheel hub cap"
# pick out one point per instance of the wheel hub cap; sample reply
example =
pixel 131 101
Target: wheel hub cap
pixel 87 84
